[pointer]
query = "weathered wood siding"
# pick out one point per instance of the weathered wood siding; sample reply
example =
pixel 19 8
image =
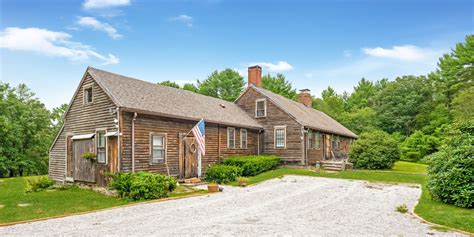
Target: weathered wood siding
pixel 81 119
pixel 293 153
pixel 146 124
pixel 316 154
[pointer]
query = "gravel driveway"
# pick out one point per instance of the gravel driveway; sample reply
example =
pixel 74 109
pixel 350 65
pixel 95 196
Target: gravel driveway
pixel 293 205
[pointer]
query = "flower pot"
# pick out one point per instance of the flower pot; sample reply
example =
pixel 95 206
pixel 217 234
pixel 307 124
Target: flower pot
pixel 213 188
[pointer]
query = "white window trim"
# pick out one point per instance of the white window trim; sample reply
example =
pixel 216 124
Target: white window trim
pixel 264 106
pixel 275 137
pixel 317 145
pixel 228 140
pixel 84 88
pixel 246 138
pixel 96 142
pixel 165 144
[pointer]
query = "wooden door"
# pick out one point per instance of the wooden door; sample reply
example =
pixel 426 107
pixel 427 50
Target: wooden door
pixel 112 154
pixel 84 169
pixel 189 158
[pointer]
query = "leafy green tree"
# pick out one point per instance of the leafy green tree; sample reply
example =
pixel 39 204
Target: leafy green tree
pixel 331 103
pixel 227 85
pixel 25 132
pixel 363 95
pixel 279 85
pixel 170 84
pixel 190 87
pixel 463 106
pixel 400 101
pixel 417 146
pixel 57 117
pixel 360 120
pixel 455 70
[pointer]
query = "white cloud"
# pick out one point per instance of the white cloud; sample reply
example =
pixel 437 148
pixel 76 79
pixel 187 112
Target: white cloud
pixel 97 4
pixel 280 66
pixel 403 53
pixel 93 23
pixel 188 20
pixel 50 43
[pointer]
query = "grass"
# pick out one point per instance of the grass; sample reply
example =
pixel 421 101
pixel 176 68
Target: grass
pixel 58 202
pixel 402 208
pixel 403 172
pixel 404 166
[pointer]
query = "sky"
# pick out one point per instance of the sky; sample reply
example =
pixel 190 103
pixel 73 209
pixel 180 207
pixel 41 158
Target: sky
pixel 48 44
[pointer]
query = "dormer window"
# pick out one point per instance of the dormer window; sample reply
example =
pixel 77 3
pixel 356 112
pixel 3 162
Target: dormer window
pixel 260 108
pixel 88 95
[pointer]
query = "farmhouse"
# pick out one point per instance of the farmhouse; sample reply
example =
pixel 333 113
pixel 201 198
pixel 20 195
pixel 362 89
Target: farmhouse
pixel 131 125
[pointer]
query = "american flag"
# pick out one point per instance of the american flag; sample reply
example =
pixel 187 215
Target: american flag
pixel 200 135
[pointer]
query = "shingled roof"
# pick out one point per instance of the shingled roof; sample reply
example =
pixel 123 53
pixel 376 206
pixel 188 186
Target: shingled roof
pixel 306 116
pixel 141 96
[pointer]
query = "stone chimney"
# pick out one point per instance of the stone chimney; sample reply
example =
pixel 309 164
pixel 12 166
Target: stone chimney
pixel 305 98
pixel 255 76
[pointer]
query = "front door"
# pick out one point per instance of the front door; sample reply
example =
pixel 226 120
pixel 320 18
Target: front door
pixel 189 158
pixel 112 154
pixel 84 169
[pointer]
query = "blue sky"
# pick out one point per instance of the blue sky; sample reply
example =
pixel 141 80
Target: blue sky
pixel 316 44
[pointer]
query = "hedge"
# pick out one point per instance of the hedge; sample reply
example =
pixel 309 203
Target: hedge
pixel 142 185
pixel 220 173
pixel 253 165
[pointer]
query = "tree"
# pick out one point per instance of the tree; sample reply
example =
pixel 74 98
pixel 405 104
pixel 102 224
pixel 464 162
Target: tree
pixel 455 70
pixel 279 85
pixel 463 106
pixel 417 146
pixel 169 83
pixel 400 101
pixel 360 120
pixel 227 85
pixel 363 95
pixel 331 103
pixel 190 87
pixel 57 117
pixel 25 132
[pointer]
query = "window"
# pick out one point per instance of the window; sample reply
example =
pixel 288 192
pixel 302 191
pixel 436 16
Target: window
pixel 88 95
pixel 231 137
pixel 310 139
pixel 101 147
pixel 158 147
pixel 317 137
pixel 338 142
pixel 243 138
pixel 280 137
pixel 261 108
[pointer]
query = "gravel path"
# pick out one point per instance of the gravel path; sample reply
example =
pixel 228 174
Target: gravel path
pixel 293 205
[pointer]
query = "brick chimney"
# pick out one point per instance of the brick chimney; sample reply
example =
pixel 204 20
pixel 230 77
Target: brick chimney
pixel 305 98
pixel 255 76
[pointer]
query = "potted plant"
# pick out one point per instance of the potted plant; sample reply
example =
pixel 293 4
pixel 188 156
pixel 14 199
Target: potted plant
pixel 88 156
pixel 243 181
pixel 213 187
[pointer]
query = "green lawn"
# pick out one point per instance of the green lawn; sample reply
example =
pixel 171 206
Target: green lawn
pixel 403 172
pixel 57 202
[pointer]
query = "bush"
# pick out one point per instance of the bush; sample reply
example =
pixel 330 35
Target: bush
pixel 374 150
pixel 253 165
pixel 417 146
pixel 222 173
pixel 142 185
pixel 451 170
pixel 36 184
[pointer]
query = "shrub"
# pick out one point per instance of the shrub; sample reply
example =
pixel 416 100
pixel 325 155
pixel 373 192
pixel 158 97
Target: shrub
pixel 88 155
pixel 253 165
pixel 451 170
pixel 417 146
pixel 223 173
pixel 36 184
pixel 142 185
pixel 374 150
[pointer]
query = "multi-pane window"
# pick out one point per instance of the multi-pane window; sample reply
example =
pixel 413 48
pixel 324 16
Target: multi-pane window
pixel 338 142
pixel 260 108
pixel 243 138
pixel 88 95
pixel 317 139
pixel 101 147
pixel 280 137
pixel 310 139
pixel 158 148
pixel 231 137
